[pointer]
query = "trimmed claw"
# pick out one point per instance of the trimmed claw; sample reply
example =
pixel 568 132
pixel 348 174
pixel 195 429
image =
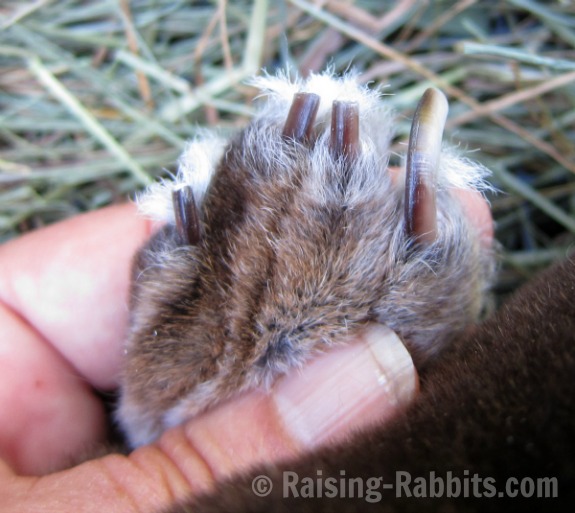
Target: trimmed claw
pixel 186 213
pixel 344 139
pixel 422 163
pixel 301 117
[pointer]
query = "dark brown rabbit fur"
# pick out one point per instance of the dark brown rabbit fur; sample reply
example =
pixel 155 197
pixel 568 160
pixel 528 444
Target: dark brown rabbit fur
pixel 293 235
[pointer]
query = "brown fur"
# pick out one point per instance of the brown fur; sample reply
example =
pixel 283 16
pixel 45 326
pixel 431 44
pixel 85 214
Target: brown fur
pixel 293 258
pixel 498 403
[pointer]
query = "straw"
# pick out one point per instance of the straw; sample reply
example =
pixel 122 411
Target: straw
pixel 98 98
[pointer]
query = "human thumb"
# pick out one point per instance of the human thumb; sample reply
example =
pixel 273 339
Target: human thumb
pixel 348 388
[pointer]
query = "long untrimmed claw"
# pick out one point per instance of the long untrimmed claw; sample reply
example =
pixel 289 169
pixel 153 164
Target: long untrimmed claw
pixel 301 117
pixel 422 163
pixel 344 137
pixel 186 214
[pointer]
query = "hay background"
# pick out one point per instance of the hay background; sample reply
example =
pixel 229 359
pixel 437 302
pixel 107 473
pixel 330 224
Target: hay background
pixel 97 97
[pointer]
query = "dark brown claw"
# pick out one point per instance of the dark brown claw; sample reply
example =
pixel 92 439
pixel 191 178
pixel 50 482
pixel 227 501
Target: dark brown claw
pixel 186 212
pixel 420 210
pixel 422 162
pixel 344 129
pixel 301 117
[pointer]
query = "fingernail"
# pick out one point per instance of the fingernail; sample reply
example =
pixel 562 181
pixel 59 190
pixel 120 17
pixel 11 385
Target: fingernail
pixel 350 388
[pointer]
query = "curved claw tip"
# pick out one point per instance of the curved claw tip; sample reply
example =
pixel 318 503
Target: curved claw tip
pixel 422 164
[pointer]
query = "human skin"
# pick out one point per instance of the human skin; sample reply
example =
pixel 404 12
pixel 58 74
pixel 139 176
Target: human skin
pixel 63 316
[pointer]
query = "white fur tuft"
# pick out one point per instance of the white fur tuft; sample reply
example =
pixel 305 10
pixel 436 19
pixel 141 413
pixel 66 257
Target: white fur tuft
pixel 201 156
pixel 279 91
pixel 460 172
pixel 196 168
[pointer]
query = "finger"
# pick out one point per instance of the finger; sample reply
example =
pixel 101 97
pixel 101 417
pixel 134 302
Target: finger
pixel 301 412
pixel 69 282
pixel 350 388
pixel 63 316
pixel 49 413
pixel 477 210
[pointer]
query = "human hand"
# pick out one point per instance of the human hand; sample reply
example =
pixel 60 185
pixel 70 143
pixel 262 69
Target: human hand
pixel 57 345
